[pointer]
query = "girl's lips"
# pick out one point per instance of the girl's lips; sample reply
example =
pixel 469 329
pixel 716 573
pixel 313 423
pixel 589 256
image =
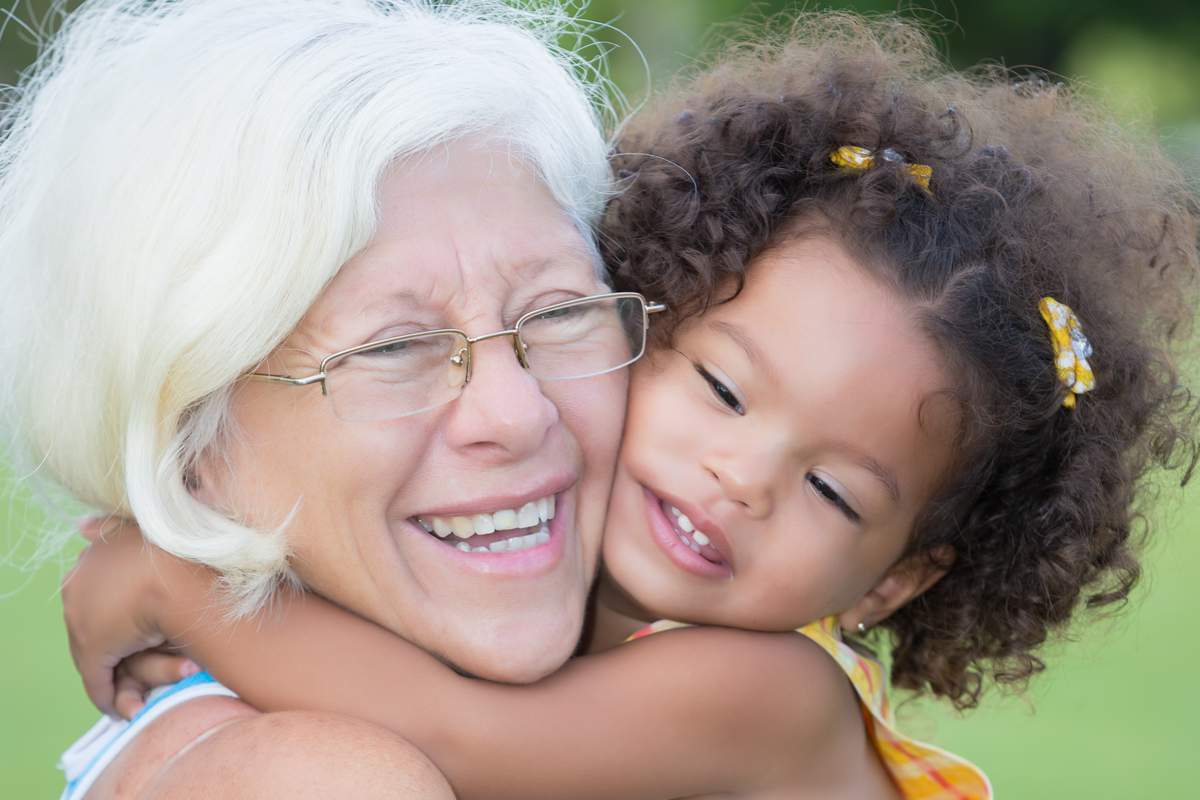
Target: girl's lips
pixel 717 549
pixel 663 533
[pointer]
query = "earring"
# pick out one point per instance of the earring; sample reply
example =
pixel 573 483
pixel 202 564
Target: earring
pixel 862 629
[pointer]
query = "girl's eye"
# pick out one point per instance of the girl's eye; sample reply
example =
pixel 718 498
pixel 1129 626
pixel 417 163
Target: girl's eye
pixel 723 392
pixel 831 496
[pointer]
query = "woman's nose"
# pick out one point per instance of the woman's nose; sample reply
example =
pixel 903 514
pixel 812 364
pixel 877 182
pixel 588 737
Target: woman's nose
pixel 746 478
pixel 502 410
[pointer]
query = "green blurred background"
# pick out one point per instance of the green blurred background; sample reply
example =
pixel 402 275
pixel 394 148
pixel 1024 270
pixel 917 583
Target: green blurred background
pixel 1113 717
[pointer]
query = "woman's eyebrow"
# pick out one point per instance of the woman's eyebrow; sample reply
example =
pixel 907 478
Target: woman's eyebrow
pixel 332 322
pixel 391 301
pixel 566 259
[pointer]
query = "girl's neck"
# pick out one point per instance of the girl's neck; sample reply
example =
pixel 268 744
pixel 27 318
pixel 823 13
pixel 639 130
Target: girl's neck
pixel 616 616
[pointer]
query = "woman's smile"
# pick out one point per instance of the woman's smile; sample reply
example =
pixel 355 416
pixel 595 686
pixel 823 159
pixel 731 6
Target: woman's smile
pixel 524 537
pixel 471 527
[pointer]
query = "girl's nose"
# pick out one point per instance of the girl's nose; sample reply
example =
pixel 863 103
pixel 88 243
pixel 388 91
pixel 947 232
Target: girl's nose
pixel 747 478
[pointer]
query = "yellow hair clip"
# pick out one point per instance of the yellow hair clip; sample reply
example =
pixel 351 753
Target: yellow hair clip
pixel 1071 349
pixel 860 158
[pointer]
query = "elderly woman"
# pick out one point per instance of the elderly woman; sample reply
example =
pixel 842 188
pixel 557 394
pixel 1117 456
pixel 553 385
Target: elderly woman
pixel 283 278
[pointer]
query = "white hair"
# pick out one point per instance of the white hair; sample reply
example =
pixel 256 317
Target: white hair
pixel 178 182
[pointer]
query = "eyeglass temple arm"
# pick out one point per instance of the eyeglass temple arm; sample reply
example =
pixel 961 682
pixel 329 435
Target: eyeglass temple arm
pixel 654 308
pixel 295 382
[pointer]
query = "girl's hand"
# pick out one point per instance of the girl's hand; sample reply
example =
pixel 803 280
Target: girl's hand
pixel 109 604
pixel 149 669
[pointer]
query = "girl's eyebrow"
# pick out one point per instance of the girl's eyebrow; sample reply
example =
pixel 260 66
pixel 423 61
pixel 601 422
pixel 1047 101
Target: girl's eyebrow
pixel 746 342
pixel 885 476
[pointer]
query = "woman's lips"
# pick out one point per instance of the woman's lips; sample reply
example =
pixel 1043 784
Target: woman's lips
pixel 543 545
pixel 495 531
pixel 668 538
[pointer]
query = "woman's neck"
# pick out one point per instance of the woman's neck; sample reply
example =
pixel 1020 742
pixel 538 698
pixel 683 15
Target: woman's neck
pixel 616 616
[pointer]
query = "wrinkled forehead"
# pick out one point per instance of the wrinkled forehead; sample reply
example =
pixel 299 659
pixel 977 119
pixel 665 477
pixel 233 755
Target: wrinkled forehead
pixel 471 227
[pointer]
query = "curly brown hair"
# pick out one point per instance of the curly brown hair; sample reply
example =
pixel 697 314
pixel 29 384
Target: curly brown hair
pixel 1034 192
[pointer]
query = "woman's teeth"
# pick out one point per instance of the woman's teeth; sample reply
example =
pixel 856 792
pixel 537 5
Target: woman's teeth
pixel 506 519
pixel 532 515
pixel 510 545
pixel 685 529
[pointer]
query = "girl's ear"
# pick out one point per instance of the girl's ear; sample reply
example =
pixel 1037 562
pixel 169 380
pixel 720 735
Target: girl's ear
pixel 906 580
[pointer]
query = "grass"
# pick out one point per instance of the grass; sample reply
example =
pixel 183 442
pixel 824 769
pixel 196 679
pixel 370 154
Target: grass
pixel 1113 717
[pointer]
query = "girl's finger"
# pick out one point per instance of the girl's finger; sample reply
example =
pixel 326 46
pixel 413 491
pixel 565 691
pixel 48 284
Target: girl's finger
pixel 98 681
pixel 131 694
pixel 152 668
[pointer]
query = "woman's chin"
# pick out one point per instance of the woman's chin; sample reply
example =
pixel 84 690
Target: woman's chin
pixel 513 652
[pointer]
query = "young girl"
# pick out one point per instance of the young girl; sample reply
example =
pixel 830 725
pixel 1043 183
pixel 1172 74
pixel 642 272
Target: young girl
pixel 916 367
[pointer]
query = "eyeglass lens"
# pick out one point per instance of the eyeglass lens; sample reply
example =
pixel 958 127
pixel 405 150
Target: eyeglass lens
pixel 562 343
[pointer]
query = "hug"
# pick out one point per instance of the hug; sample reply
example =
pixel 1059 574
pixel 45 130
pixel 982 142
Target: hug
pixel 472 453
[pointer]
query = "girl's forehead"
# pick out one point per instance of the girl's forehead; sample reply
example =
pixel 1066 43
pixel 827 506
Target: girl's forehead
pixel 814 288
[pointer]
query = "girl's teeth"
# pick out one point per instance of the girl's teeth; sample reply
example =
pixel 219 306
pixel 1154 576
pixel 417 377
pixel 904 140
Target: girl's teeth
pixel 685 529
pixel 687 526
pixel 483 523
pixel 462 526
pixel 442 527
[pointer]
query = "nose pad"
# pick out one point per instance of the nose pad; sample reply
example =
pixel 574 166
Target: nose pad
pixel 502 408
pixel 521 350
pixel 461 360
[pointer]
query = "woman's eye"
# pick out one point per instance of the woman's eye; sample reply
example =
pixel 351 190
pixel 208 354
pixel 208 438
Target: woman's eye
pixel 388 349
pixel 831 496
pixel 723 392
pixel 559 313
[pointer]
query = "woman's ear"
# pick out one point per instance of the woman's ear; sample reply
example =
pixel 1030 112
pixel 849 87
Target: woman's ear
pixel 203 480
pixel 906 580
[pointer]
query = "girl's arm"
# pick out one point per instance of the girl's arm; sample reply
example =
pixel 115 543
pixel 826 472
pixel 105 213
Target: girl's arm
pixel 695 711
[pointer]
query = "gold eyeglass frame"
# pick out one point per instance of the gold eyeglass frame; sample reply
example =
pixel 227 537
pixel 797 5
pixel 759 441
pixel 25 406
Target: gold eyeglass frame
pixel 465 354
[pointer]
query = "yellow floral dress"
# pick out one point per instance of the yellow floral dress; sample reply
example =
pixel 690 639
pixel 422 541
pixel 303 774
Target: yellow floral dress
pixel 920 771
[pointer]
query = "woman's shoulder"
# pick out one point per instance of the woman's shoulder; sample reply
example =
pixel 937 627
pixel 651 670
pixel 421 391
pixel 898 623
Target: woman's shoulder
pixel 135 756
pixel 210 750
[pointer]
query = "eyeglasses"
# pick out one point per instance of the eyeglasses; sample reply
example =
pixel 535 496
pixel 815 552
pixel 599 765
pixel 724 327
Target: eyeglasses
pixel 405 375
